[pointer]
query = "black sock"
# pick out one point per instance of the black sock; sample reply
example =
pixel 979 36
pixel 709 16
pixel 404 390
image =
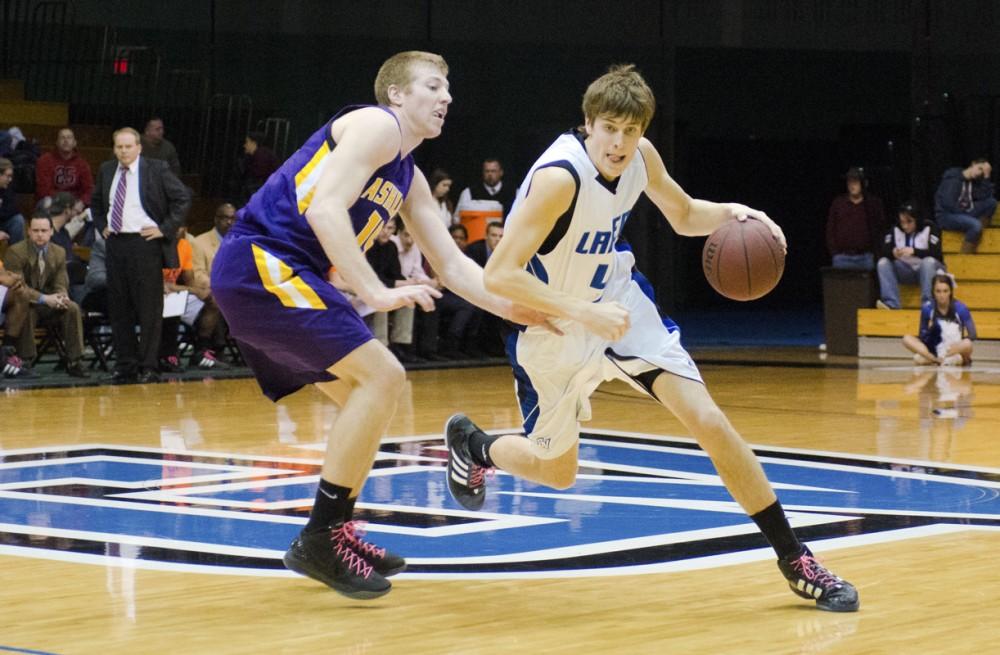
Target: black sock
pixel 774 524
pixel 9 340
pixel 330 507
pixel 349 510
pixel 479 448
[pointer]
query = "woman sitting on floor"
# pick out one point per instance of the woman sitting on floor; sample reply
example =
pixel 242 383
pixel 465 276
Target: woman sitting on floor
pixel 946 328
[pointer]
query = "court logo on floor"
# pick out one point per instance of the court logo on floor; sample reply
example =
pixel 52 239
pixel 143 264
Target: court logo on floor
pixel 641 503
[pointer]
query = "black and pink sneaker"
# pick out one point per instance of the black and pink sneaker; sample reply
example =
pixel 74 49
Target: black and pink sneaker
pixel 11 366
pixel 328 556
pixel 810 579
pixel 383 561
pixel 466 478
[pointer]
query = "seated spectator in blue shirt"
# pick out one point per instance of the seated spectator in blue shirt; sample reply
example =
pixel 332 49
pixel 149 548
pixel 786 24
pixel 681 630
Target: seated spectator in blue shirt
pixel 946 328
pixel 911 253
pixel 964 201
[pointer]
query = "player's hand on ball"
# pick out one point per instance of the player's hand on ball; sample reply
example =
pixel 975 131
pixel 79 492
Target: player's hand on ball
pixel 387 299
pixel 742 213
pixel 608 320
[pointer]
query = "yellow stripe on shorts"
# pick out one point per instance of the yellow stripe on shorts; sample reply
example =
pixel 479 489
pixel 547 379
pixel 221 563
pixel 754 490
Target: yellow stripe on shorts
pixel 277 278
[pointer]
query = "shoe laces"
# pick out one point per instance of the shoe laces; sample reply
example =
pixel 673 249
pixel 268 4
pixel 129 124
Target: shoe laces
pixel 208 358
pixel 478 474
pixel 353 531
pixel 173 361
pixel 15 361
pixel 342 539
pixel 809 568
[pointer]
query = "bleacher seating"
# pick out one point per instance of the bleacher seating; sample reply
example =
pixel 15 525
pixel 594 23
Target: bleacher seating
pixel 978 278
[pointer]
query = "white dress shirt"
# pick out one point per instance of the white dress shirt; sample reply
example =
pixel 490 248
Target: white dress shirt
pixel 134 217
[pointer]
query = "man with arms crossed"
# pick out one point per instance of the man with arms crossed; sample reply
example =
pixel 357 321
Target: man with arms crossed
pixel 558 256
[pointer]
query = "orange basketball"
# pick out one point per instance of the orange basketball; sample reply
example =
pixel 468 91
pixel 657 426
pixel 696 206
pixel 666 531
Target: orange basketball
pixel 742 260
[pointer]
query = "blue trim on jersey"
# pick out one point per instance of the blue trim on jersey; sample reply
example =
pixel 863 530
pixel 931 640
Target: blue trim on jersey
pixel 561 226
pixel 527 397
pixel 647 290
pixel 536 268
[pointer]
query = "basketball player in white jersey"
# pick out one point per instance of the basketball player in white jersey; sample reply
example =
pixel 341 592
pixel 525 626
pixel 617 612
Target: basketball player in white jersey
pixel 558 256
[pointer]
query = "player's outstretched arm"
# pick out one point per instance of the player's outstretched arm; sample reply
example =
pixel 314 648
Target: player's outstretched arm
pixel 368 139
pixel 551 193
pixel 457 271
pixel 689 216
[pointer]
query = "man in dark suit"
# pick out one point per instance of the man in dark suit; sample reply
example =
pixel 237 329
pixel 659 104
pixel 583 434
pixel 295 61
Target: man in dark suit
pixel 480 251
pixel 137 205
pixel 42 267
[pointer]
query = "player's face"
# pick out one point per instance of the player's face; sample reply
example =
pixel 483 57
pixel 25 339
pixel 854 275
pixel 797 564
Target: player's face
pixel 611 144
pixel 426 99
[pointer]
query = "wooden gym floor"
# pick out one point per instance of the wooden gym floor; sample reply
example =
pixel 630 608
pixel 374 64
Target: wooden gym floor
pixel 76 582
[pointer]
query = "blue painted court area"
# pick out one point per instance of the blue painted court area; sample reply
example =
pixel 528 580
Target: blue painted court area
pixel 12 649
pixel 749 326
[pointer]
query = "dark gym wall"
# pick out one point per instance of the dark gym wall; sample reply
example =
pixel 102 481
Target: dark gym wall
pixel 761 101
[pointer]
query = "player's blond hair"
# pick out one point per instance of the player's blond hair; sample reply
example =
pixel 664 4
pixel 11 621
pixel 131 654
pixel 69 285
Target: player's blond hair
pixel 620 93
pixel 398 70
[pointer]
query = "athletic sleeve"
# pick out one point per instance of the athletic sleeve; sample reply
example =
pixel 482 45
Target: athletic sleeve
pixel 965 316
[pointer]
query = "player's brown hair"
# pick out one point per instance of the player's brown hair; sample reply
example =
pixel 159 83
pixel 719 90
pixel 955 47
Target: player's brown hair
pixel 620 93
pixel 397 70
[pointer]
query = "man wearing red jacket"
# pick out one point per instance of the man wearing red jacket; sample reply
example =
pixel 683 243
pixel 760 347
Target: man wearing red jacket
pixel 64 169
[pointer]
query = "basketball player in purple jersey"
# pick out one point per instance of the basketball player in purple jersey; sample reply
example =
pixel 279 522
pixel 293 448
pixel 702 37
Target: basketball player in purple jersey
pixel 558 256
pixel 323 208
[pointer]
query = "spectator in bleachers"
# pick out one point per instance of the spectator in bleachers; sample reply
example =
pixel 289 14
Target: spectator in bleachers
pixel 440 183
pixel 964 201
pixel 855 225
pixel 488 193
pixel 460 235
pixel 11 220
pixel 946 328
pixel 461 318
pixel 42 266
pixel 911 253
pixel 63 169
pixel 95 285
pixel 138 206
pixel 395 328
pixel 154 146
pixel 412 268
pixel 212 329
pixel 14 304
pixel 258 162
pixel 489 339
pixel 199 299
pixel 480 251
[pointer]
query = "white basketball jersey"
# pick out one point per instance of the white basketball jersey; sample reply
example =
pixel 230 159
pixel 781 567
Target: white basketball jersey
pixel 583 260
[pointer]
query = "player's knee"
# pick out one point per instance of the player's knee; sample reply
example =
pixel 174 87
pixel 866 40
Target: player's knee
pixel 561 478
pixel 560 473
pixel 711 423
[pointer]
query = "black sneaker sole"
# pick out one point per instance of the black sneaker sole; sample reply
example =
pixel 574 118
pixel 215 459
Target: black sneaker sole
pixel 295 565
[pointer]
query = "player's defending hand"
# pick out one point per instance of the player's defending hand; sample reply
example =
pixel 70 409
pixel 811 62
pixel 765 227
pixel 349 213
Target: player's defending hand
pixel 608 320
pixel 742 213
pixel 387 299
